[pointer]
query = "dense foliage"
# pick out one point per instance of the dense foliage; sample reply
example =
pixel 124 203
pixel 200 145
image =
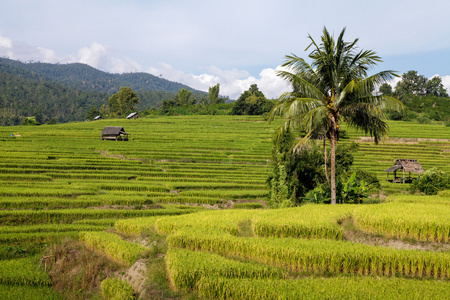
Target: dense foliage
pixel 79 75
pixel 295 174
pixel 67 92
pixel 123 102
pixel 186 102
pixel 426 99
pixel 251 102
pixel 413 83
pixel 424 109
pixel 24 94
pixel 432 181
pixel 334 88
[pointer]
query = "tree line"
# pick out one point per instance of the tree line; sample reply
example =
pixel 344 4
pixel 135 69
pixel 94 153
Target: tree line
pixel 186 102
pixel 425 99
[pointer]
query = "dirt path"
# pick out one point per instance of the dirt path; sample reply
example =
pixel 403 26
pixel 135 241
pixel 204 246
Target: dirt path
pixel 136 275
pixel 366 139
pixel 354 234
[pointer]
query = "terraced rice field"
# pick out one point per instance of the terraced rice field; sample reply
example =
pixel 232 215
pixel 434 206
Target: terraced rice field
pixel 427 143
pixel 64 181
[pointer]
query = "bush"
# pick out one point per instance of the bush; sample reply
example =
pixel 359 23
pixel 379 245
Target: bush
pixel 432 181
pixel 394 115
pixel 423 119
pixel 410 116
pixel 30 121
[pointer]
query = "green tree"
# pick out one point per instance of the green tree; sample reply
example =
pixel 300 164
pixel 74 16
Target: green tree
pixel 213 95
pixel 333 88
pixel 432 181
pixel 92 113
pixel 411 84
pixel 123 102
pixel 386 89
pixel 251 102
pixel 293 173
pixel 30 121
pixel 52 121
pixel 183 98
pixel 103 110
pixel 434 87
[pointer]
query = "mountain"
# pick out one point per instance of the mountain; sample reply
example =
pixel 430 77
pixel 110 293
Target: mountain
pixel 65 92
pixel 89 78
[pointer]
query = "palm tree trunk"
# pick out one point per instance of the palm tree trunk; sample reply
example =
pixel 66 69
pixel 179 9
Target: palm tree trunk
pixel 333 163
pixel 325 158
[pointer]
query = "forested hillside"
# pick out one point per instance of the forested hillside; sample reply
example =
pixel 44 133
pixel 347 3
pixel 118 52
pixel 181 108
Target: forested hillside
pixel 66 92
pixel 81 75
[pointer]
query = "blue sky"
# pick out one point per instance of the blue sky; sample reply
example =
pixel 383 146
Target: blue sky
pixel 235 43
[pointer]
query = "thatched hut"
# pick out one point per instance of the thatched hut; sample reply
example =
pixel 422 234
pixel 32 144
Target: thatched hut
pixel 407 166
pixel 115 133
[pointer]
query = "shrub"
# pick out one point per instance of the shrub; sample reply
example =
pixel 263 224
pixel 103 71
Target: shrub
pixel 432 181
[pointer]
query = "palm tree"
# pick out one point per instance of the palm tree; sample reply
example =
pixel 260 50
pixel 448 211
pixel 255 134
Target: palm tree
pixel 335 87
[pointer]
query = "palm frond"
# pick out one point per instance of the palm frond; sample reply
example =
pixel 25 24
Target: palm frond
pixel 369 118
pixel 315 119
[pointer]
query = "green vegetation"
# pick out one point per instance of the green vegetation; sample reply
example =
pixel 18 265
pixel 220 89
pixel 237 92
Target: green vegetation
pixel 22 278
pixel 413 83
pixel 26 292
pixel 23 271
pixel 116 289
pixel 432 181
pixel 123 102
pixel 214 287
pixel 335 87
pixel 129 201
pixel 186 268
pixel 111 244
pixel 251 102
pixel 66 92
pixel 418 221
pixel 426 99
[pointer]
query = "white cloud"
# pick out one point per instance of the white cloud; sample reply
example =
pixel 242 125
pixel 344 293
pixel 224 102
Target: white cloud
pixel 5 42
pixel 98 57
pixel 232 82
pixel 24 52
pixel 95 56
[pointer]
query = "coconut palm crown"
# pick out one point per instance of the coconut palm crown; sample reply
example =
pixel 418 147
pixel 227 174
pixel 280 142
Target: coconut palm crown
pixel 335 87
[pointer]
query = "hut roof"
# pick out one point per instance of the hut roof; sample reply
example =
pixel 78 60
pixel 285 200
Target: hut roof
pixel 97 117
pixel 409 165
pixel 132 115
pixel 113 130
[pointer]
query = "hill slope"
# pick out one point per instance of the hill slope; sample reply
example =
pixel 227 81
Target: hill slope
pixel 66 92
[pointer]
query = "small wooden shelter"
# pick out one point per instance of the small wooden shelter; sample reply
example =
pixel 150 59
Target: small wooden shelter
pixel 115 133
pixel 134 115
pixel 406 165
pixel 98 118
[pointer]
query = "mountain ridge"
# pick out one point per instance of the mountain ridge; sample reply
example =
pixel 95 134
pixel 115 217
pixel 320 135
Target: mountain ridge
pixel 65 92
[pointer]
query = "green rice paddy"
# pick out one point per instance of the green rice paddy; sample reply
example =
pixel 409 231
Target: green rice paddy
pixel 60 180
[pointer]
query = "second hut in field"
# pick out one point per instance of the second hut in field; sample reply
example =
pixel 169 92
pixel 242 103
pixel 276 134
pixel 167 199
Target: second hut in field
pixel 115 133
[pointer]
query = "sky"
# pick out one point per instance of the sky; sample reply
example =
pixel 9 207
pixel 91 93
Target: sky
pixel 235 43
